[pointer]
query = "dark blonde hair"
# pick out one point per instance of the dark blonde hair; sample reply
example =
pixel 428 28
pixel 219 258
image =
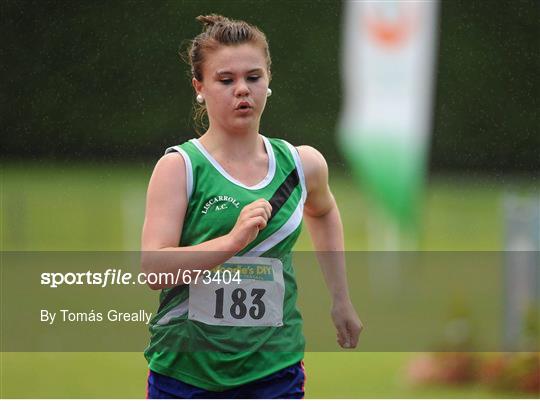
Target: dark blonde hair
pixel 220 31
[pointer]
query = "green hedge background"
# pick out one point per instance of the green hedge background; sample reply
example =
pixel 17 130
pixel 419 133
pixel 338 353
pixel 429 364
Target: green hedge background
pixel 103 80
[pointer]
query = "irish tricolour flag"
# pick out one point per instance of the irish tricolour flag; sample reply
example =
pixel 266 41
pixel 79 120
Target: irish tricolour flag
pixel 388 67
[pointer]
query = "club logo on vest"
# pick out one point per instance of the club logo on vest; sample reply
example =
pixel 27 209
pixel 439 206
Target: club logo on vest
pixel 220 202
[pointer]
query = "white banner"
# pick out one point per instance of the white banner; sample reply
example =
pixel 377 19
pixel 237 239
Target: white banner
pixel 388 74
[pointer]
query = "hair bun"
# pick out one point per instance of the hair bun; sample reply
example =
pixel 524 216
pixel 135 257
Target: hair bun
pixel 211 20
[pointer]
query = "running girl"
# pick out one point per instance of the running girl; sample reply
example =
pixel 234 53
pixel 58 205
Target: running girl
pixel 236 197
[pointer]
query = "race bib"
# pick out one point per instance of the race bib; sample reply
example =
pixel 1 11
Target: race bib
pixel 255 298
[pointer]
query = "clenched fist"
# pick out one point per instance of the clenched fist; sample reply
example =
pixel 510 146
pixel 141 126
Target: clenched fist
pixel 252 219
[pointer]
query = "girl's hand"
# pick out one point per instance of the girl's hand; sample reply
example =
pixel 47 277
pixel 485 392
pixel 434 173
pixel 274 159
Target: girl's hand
pixel 252 219
pixel 347 323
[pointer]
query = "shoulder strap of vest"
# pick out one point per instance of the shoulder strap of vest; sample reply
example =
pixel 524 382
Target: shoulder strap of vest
pixel 189 168
pixel 296 157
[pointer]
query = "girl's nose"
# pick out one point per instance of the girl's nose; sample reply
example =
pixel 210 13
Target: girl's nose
pixel 242 88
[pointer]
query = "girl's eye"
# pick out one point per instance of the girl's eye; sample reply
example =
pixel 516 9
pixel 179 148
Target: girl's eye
pixel 225 81
pixel 253 78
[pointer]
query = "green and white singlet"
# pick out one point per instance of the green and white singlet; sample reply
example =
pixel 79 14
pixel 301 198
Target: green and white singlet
pixel 218 337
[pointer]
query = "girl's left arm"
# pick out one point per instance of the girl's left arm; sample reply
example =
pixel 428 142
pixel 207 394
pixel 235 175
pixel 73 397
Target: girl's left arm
pixel 323 221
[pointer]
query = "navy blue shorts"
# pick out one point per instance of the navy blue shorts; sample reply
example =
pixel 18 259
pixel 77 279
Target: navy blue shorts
pixel 285 383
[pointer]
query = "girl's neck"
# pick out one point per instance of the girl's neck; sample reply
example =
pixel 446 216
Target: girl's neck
pixel 236 146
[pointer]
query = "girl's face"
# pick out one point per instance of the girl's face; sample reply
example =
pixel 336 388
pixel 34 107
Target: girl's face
pixel 235 81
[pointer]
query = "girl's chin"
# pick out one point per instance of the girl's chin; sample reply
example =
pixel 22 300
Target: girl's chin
pixel 244 122
pixel 239 123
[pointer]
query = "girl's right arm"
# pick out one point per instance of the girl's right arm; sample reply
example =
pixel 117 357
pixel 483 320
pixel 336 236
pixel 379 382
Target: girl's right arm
pixel 166 205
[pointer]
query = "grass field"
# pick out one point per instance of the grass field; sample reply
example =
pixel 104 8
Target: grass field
pixel 101 207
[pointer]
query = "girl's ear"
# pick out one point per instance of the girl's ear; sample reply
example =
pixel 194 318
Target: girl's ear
pixel 197 85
